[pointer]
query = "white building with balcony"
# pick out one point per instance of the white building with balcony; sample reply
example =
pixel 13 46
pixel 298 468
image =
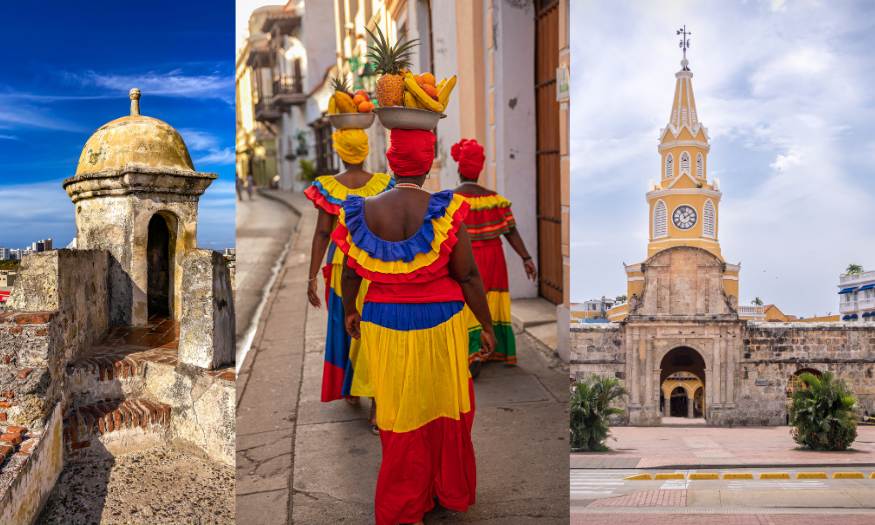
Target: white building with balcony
pixel 857 296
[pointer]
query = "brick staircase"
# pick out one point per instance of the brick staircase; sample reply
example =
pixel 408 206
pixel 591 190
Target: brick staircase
pixel 108 407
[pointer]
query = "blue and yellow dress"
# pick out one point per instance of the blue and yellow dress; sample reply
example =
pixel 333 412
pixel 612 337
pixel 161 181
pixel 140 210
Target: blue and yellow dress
pixel 414 338
pixel 328 194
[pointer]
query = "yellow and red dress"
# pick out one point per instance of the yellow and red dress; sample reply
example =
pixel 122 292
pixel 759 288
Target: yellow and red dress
pixel 414 338
pixel 490 218
pixel 328 194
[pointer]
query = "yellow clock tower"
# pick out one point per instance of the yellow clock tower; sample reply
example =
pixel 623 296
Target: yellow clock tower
pixel 684 205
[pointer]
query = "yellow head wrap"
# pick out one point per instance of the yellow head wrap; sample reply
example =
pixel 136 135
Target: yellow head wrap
pixel 351 145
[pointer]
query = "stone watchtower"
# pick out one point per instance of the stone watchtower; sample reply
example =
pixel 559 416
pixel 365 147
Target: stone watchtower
pixel 136 195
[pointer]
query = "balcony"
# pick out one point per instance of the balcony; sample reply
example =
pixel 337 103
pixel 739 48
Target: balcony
pixel 857 278
pixel 266 111
pixel 288 91
pixel 753 313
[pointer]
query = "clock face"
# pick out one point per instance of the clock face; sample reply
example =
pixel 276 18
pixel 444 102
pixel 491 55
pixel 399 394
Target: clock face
pixel 684 217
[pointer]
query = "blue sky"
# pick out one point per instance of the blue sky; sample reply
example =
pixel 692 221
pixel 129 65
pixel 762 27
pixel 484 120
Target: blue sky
pixel 67 69
pixel 785 90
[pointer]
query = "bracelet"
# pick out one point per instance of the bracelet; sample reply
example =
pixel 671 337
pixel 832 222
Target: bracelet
pixel 313 279
pixel 527 258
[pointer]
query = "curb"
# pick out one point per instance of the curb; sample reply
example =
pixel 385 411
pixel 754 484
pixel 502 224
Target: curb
pixel 268 194
pixel 644 476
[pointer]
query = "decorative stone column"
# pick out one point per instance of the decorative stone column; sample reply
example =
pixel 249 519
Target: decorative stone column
pixel 690 407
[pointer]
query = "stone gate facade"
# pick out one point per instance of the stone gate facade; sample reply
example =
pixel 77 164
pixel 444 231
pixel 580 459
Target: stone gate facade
pixel 747 367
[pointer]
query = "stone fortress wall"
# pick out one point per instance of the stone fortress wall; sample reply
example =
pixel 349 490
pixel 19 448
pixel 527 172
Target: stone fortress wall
pixel 126 342
pixel 766 359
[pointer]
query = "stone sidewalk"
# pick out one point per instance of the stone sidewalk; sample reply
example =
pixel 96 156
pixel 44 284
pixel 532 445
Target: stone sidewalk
pixel 719 447
pixel 310 462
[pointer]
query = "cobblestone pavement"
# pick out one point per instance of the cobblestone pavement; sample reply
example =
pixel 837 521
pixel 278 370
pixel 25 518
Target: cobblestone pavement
pixel 650 447
pixel 159 485
pixel 310 462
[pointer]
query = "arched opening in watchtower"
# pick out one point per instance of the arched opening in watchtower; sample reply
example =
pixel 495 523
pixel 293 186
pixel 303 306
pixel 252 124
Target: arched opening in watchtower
pixel 159 267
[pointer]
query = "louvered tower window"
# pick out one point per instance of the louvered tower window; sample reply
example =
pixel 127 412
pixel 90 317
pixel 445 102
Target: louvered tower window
pixel 700 166
pixel 685 162
pixel 709 220
pixel 669 166
pixel 660 220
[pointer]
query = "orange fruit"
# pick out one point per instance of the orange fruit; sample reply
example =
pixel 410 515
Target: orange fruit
pixel 358 99
pixel 428 78
pixel 365 107
pixel 362 92
pixel 431 90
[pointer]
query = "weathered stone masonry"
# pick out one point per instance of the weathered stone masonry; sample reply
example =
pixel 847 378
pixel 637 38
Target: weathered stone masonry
pixel 758 360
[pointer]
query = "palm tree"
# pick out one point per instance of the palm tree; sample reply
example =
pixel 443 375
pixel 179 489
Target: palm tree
pixel 757 301
pixel 854 269
pixel 823 413
pixel 621 299
pixel 590 411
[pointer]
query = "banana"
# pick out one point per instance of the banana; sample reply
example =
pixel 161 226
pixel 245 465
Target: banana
pixel 344 103
pixel 410 101
pixel 446 88
pixel 440 85
pixel 421 96
pixel 332 106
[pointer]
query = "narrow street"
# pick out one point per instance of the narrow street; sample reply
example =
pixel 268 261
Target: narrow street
pixel 319 460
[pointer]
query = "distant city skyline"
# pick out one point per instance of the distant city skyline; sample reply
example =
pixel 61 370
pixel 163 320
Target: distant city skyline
pixel 784 91
pixel 50 102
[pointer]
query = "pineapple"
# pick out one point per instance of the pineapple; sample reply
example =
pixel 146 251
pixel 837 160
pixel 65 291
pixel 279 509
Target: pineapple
pixel 342 98
pixel 390 61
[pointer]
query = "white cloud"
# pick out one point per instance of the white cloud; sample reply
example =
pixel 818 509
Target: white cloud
pixel 208 147
pixel 174 83
pixel 223 157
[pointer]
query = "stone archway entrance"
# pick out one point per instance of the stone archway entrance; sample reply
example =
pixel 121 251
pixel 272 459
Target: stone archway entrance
pixel 159 267
pixel 682 384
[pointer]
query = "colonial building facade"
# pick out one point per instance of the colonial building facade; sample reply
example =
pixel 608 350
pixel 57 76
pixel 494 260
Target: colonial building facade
pixel 681 345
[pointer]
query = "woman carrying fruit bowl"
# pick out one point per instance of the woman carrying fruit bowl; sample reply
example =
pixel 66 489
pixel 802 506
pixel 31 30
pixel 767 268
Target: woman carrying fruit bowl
pixel 490 218
pixel 413 248
pixel 328 193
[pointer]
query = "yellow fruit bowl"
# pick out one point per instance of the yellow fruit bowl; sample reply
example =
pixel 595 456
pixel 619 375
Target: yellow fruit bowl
pixel 400 117
pixel 351 120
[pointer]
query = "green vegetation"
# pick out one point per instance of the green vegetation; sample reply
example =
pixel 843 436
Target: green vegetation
pixel 308 170
pixel 9 265
pixel 590 411
pixel 823 413
pixel 854 269
pixel 757 301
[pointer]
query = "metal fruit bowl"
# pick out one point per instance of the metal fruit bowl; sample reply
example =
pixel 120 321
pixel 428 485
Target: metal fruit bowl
pixel 351 120
pixel 408 118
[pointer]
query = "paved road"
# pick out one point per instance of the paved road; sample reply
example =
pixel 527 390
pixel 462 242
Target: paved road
pixel 303 461
pixel 264 227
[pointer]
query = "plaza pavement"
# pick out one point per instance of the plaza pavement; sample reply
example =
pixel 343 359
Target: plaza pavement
pixel 703 447
pixel 303 461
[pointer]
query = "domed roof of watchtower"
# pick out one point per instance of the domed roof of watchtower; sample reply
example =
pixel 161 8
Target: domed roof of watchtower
pixel 134 152
pixel 134 140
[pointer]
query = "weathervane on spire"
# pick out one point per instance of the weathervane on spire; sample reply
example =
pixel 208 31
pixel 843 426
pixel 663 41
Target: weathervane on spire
pixel 684 44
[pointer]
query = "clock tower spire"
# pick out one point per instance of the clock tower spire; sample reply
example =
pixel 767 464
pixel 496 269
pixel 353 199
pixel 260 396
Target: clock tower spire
pixel 684 204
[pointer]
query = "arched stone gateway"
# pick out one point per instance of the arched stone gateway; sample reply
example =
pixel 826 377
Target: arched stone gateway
pixel 682 374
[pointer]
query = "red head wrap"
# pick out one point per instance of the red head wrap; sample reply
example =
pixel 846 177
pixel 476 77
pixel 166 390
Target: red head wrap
pixel 469 154
pixel 410 152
